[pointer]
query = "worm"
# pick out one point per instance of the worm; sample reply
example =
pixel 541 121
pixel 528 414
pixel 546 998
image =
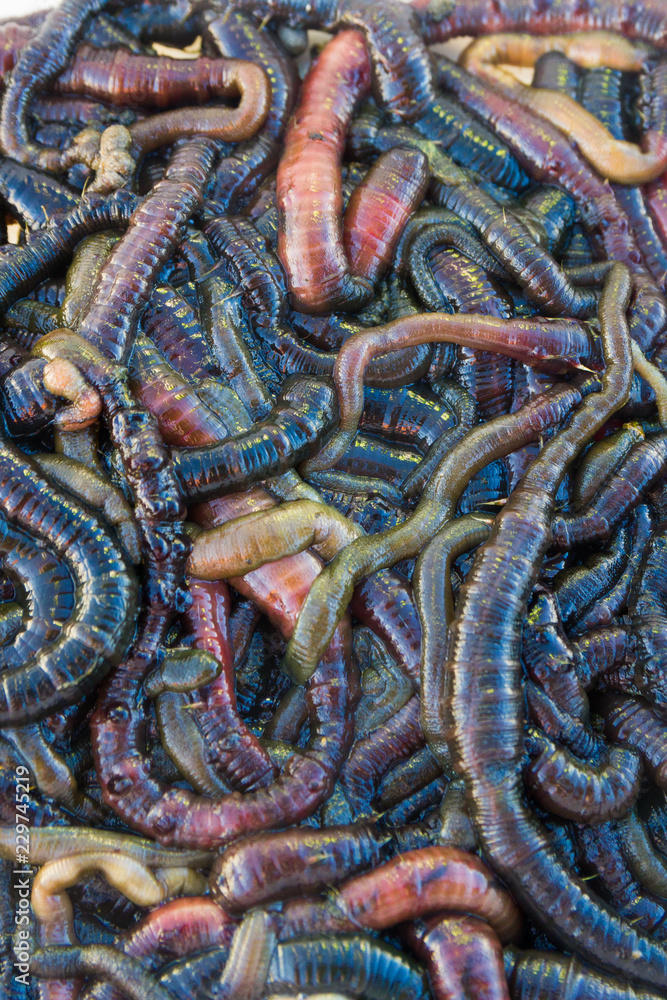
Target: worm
pixel 601 459
pixel 175 929
pixel 32 196
pixel 577 587
pixel 462 956
pixel 505 236
pixel 601 94
pixel 632 722
pixel 402 74
pixel 530 137
pixel 240 174
pixel 579 791
pixel 123 972
pixel 325 604
pixel 126 278
pixel 643 466
pixel 603 611
pixel 38 63
pixel 309 196
pixel 617 160
pixel 534 974
pixel 304 414
pixel 524 526
pixel 98 634
pixel 379 208
pixel 235 750
pixel 267 867
pixel 407 887
pixel 44 581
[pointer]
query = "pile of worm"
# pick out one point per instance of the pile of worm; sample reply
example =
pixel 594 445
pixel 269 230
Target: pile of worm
pixel 333 500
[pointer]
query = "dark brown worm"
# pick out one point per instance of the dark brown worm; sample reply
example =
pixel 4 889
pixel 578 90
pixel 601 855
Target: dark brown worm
pixel 309 193
pixel 233 748
pixel 576 790
pixel 632 722
pixel 603 611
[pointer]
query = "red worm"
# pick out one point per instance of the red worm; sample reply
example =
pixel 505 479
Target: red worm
pixel 462 955
pixel 243 762
pixel 267 867
pixel 309 181
pixel 173 930
pixel 379 208
pixel 124 79
pixel 409 886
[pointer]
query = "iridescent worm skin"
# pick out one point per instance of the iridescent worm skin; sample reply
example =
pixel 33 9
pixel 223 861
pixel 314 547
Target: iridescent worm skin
pixel 26 265
pixel 45 585
pixel 485 702
pixel 379 208
pixel 402 74
pixel 31 196
pixel 535 975
pixel 602 857
pixel 304 416
pixel 239 174
pixel 462 955
pixel 361 965
pixel 157 500
pixel 552 161
pixel 554 71
pixel 173 930
pixel 508 239
pixel 615 159
pixel 233 748
pixel 601 95
pixel 309 193
pixel 600 460
pixel 326 601
pixel 632 722
pixel 643 466
pixel 39 62
pixel 578 790
pixel 174 327
pixel 641 19
pixel 268 867
pixel 409 886
pixel 99 632
pixel 101 961
pixel 603 611
pixel 127 277
pixel 576 588
pixel 253 268
pixel 463 285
